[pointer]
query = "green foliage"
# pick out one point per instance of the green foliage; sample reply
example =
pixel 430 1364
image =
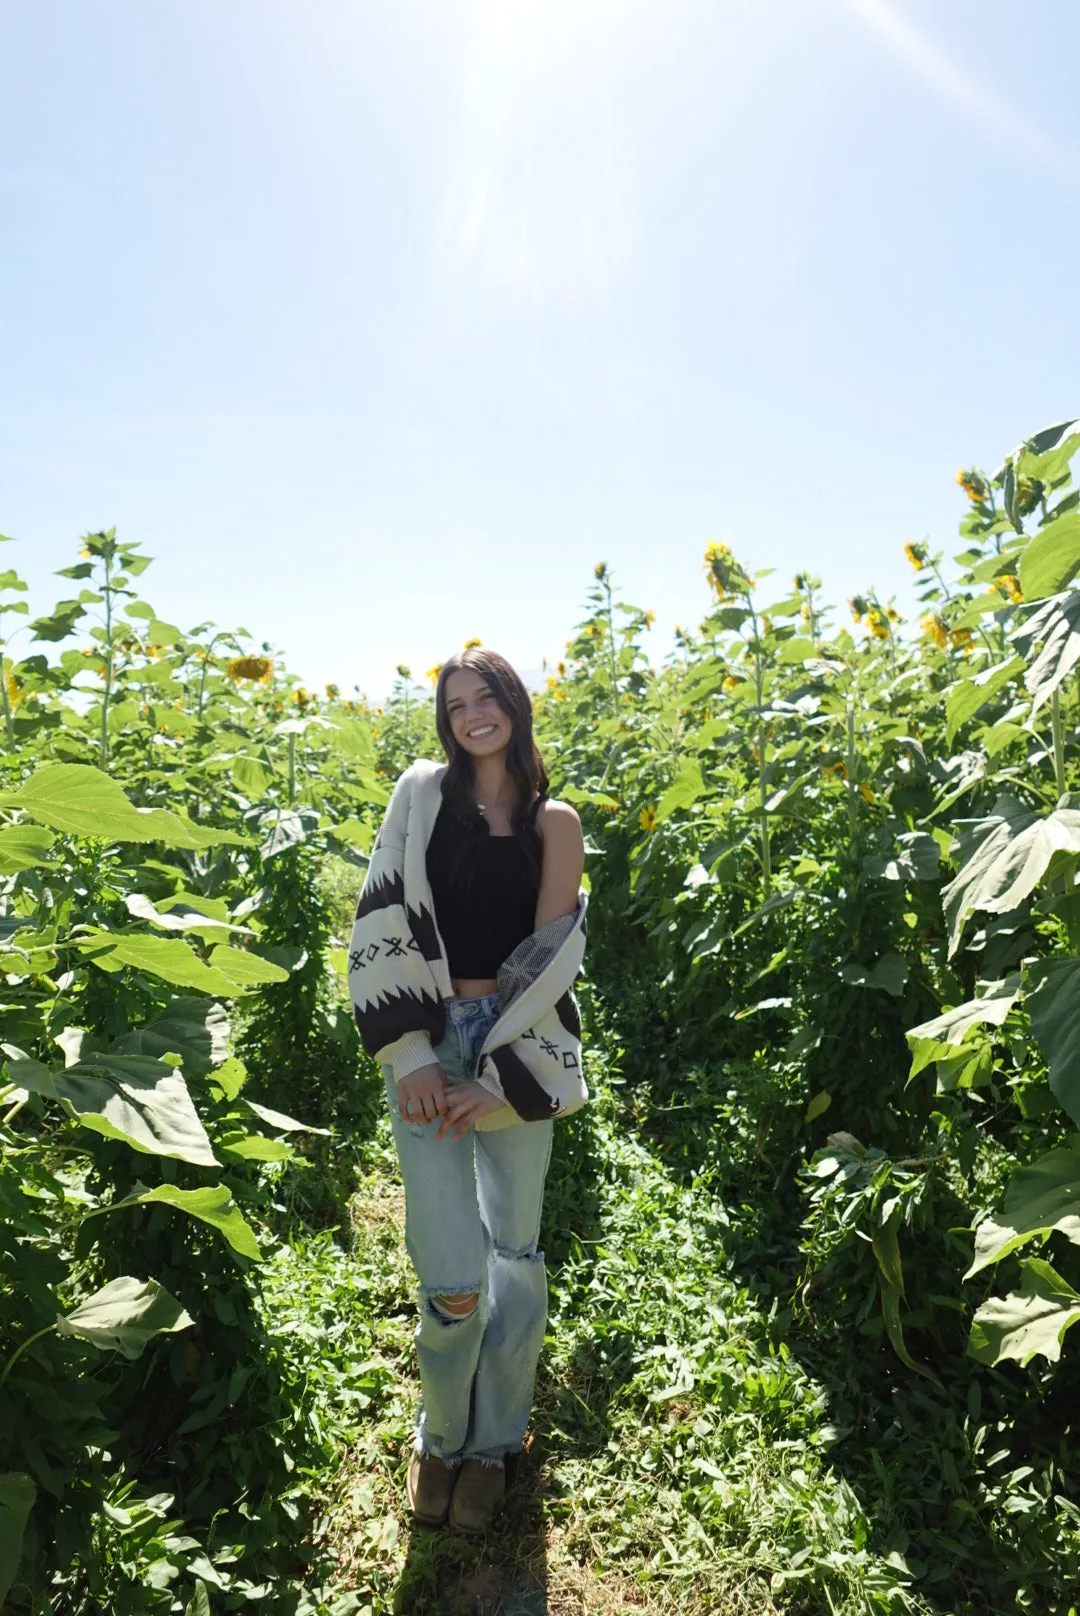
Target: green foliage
pixel 834 953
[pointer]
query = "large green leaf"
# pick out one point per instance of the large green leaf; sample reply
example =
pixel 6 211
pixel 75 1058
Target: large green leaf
pixel 240 1146
pixel 965 698
pixel 23 847
pixel 66 614
pixel 165 957
pixel 143 1102
pixel 17 1495
pixel 1052 559
pixel 992 1004
pixel 353 737
pixel 1047 454
pixel 889 974
pixel 230 971
pixel 282 829
pixel 244 969
pixel 1056 627
pixel 80 800
pixel 917 858
pixel 195 1029
pixel 213 1205
pixel 602 799
pixel 687 786
pixel 180 916
pixel 894 1329
pixel 1042 1197
pixel 938 1040
pixel 1029 1321
pixel 354 833
pixel 250 776
pixel 124 1315
pixel 1054 1006
pixel 1003 858
pixel 283 1123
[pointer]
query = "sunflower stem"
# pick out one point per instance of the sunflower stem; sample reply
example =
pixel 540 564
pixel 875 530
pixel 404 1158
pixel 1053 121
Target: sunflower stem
pixel 103 745
pixel 1058 727
pixel 17 1354
pixel 9 722
pixel 763 812
pixel 852 767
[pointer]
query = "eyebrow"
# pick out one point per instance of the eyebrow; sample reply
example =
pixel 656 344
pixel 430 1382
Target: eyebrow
pixel 459 701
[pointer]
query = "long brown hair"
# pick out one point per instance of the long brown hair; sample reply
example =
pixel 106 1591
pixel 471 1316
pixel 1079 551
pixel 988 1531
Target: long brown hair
pixel 524 764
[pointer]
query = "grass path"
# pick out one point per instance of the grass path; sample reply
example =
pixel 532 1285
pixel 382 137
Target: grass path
pixel 679 1458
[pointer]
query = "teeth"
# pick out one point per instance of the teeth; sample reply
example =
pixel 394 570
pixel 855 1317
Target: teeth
pixel 478 734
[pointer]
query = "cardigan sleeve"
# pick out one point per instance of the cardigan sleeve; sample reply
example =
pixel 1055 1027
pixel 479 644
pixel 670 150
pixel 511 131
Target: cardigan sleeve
pixel 396 1001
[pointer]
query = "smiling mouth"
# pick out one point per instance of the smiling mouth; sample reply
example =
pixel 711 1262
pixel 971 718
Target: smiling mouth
pixel 482 733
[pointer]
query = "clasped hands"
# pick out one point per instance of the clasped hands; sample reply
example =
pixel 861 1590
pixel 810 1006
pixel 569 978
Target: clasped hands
pixel 425 1094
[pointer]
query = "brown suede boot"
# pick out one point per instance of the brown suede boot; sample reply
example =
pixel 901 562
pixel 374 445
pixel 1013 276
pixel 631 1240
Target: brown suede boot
pixel 478 1492
pixel 428 1485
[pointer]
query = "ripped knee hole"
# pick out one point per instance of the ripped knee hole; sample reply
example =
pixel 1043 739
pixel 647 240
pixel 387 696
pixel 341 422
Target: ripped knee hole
pixel 457 1307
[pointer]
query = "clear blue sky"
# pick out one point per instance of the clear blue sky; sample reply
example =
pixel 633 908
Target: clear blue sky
pixel 379 323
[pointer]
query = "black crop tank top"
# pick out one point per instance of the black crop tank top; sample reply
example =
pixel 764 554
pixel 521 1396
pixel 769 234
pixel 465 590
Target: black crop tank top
pixel 482 913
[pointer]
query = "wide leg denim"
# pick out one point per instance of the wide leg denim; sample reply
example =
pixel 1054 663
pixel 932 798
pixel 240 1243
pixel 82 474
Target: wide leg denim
pixel 472 1222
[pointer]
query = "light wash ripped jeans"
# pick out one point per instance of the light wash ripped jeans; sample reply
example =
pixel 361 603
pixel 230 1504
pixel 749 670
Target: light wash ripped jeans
pixel 472 1221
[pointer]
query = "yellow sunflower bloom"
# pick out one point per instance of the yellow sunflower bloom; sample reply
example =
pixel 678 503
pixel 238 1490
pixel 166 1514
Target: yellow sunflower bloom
pixel 647 819
pixel 725 574
pixel 916 554
pixel 974 486
pixel 257 668
pixel 934 628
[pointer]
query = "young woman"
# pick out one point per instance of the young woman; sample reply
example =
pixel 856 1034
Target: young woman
pixel 469 934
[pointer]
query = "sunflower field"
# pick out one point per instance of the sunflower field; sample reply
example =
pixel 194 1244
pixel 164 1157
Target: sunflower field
pixel 813 1248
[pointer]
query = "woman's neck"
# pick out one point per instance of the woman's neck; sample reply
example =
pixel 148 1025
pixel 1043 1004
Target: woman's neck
pixel 493 789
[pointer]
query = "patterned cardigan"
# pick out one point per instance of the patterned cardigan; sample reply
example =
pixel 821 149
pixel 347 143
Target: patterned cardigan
pixel 399 977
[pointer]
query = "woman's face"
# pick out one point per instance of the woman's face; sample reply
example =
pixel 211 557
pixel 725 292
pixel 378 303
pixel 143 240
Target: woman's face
pixel 477 722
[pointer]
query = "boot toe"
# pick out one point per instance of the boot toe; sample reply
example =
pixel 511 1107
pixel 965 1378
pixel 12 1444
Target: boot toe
pixel 478 1493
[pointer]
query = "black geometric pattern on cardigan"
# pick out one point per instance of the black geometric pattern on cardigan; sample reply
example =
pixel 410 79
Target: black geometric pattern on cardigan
pixel 388 892
pixel 386 1019
pixel 529 1100
pixel 568 1013
pixel 383 892
pixel 422 926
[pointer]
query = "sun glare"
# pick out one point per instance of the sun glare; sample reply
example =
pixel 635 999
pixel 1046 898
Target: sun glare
pixel 539 202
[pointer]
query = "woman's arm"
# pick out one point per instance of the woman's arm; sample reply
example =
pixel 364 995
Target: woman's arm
pixel 564 861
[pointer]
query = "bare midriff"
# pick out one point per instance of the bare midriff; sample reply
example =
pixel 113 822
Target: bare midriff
pixel 473 987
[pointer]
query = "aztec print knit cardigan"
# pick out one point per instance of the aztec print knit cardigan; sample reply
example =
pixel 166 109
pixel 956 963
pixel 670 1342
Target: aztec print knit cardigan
pixel 399 977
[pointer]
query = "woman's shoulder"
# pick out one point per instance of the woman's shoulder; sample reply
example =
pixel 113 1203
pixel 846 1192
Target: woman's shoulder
pixel 423 774
pixel 557 819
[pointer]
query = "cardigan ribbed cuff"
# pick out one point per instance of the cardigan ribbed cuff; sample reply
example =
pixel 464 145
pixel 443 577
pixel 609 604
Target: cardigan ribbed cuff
pixel 407 1054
